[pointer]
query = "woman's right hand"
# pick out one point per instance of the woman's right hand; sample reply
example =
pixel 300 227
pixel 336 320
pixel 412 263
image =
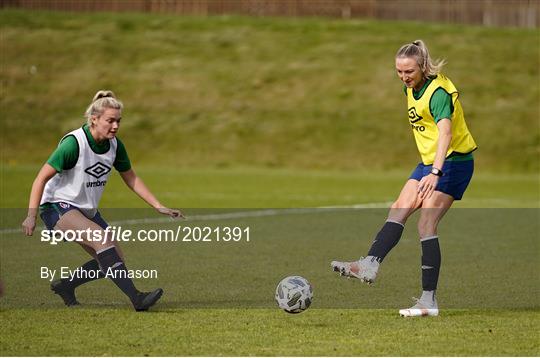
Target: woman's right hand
pixel 28 225
pixel 45 173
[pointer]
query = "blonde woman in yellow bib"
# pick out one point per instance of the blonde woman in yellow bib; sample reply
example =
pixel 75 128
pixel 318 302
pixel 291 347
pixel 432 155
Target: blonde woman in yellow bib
pixel 445 145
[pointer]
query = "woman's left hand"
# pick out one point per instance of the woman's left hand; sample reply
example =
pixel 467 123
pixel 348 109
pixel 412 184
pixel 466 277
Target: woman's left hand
pixel 427 185
pixel 173 213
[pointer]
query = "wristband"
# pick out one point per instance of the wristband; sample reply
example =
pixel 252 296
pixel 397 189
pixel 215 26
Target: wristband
pixel 436 172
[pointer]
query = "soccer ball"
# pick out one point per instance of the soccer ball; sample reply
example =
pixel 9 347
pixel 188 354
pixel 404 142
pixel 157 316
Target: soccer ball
pixel 294 294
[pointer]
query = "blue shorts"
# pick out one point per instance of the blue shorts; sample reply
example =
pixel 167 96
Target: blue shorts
pixel 53 211
pixel 456 178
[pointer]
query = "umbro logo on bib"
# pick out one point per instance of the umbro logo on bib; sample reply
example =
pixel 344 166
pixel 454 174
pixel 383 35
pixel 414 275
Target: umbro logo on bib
pixel 413 116
pixel 98 170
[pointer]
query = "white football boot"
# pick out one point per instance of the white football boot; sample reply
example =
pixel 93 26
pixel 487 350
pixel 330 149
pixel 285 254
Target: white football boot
pixel 424 306
pixel 364 269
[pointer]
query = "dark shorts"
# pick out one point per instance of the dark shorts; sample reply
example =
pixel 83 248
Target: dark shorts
pixel 53 211
pixel 456 178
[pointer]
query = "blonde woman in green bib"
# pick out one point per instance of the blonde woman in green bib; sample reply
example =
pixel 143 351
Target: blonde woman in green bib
pixel 445 145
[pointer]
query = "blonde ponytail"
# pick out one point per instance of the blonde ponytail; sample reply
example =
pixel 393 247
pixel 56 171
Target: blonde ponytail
pixel 419 51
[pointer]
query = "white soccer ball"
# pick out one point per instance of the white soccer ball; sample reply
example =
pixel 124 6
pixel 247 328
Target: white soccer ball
pixel 294 294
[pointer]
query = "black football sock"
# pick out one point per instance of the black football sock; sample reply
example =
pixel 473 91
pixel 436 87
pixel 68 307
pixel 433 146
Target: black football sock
pixel 90 271
pixel 386 239
pixel 431 262
pixel 114 268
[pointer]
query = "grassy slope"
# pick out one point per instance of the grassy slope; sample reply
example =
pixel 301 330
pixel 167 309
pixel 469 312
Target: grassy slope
pixel 225 91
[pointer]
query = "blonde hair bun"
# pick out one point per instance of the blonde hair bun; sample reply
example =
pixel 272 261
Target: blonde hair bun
pixel 102 99
pixel 103 94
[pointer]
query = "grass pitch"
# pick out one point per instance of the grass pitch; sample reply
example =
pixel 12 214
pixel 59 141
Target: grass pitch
pixel 219 297
pixel 268 332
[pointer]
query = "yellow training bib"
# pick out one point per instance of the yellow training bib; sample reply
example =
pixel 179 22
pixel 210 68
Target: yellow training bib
pixel 425 129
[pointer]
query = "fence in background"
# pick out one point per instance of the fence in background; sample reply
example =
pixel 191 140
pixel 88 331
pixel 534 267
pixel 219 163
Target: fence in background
pixel 514 13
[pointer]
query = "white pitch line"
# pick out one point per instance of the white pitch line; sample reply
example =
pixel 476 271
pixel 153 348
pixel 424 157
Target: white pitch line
pixel 233 215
